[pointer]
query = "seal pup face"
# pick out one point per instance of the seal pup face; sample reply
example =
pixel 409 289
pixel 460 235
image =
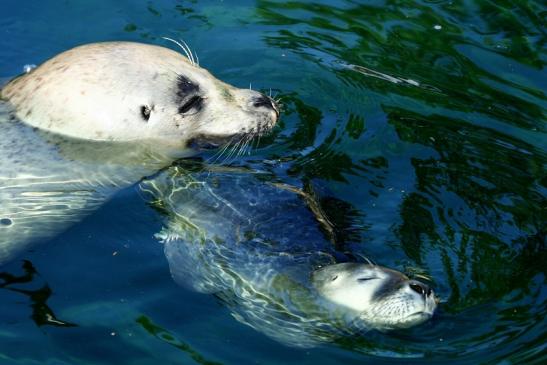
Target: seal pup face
pixel 123 91
pixel 382 298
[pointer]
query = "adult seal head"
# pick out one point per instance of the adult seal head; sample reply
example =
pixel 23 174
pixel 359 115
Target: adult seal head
pixel 100 117
pixel 122 91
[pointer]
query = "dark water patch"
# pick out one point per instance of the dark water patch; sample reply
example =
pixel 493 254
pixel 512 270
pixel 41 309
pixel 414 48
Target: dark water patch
pixel 163 335
pixel 42 314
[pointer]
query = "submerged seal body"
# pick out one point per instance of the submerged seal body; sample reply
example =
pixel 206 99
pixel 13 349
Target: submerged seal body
pixel 261 250
pixel 100 117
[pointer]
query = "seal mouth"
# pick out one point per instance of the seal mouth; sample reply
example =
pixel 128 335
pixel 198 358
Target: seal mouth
pixel 421 316
pixel 208 142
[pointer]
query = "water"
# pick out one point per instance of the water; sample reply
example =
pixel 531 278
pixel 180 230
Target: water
pixel 422 127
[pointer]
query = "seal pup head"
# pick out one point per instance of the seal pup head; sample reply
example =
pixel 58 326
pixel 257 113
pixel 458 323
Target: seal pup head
pixel 380 297
pixel 124 91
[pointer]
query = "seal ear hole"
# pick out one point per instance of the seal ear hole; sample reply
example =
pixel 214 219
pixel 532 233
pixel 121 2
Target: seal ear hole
pixel 334 278
pixel 145 112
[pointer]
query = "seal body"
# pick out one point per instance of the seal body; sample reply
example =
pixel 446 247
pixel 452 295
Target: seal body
pixel 98 118
pixel 260 248
pixel 48 183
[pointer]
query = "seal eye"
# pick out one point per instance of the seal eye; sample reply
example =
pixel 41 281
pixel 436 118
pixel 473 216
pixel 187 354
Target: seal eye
pixel 193 103
pixel 145 112
pixel 365 279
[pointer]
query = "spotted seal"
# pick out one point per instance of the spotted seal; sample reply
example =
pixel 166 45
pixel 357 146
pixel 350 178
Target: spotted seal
pixel 259 248
pixel 99 117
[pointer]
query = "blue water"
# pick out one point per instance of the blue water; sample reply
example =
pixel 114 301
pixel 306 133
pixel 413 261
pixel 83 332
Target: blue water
pixel 422 125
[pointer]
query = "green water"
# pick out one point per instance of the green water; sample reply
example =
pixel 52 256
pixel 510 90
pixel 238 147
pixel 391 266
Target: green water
pixel 422 123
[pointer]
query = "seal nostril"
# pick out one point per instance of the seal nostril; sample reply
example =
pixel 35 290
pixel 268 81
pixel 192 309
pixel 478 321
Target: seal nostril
pixel 417 288
pixel 428 291
pixel 263 101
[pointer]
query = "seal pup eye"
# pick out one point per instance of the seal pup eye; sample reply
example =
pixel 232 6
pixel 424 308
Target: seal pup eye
pixel 145 112
pixel 366 279
pixel 193 103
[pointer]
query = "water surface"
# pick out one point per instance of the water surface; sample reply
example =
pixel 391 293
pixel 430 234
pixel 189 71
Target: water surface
pixel 422 123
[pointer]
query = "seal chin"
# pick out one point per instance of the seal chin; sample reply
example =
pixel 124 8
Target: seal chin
pixel 415 319
pixel 421 314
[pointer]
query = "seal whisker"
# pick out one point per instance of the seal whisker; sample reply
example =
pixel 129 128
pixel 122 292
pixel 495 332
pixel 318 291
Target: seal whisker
pixel 242 143
pixel 186 52
pixel 238 147
pixel 258 141
pixel 228 148
pixel 248 139
pixel 219 153
pixel 250 145
pixel 233 152
pixel 189 51
pixel 280 105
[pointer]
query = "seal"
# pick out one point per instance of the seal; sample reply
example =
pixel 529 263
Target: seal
pixel 260 248
pixel 123 91
pixel 98 118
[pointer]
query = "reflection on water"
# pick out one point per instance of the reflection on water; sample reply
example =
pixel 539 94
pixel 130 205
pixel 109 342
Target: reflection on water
pixel 165 336
pixel 41 313
pixel 49 182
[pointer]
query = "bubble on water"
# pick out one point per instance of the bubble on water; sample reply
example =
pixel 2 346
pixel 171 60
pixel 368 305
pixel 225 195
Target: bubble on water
pixel 29 67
